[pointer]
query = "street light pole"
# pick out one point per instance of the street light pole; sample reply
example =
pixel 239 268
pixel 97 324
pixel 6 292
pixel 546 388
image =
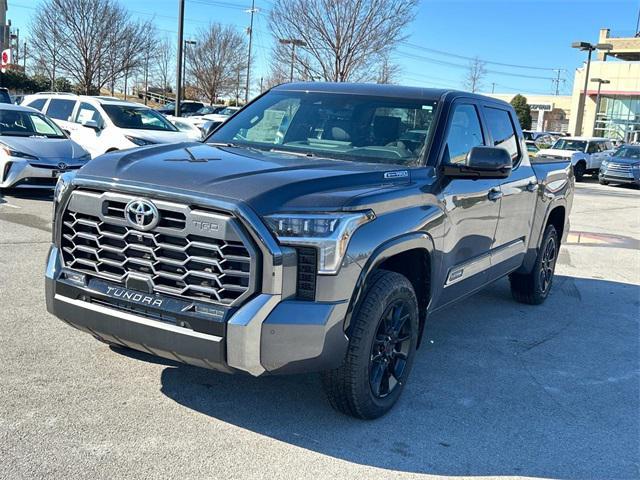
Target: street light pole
pixel 179 62
pixel 588 47
pixel 293 42
pixel 184 67
pixel 599 81
pixel 246 89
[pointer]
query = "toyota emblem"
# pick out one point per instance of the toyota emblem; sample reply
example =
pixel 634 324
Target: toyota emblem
pixel 141 214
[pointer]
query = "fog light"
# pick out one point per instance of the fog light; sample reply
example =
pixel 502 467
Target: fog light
pixel 79 279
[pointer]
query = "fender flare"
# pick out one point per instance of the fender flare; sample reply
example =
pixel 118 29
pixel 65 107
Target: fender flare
pixel 388 249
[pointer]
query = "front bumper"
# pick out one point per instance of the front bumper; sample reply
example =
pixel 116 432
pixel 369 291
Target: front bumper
pixel 19 173
pixel 265 335
pixel 632 176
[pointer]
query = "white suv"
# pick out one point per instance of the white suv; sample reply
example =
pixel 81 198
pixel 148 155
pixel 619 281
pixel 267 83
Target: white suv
pixel 586 153
pixel 105 124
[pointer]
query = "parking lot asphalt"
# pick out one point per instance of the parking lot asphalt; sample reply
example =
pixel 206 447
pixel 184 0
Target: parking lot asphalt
pixel 499 388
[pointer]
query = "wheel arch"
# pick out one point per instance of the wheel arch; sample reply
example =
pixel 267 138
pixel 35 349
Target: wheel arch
pixel 410 255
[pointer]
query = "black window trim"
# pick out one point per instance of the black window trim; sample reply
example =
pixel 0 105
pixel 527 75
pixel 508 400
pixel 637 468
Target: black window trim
pixel 519 135
pixel 454 104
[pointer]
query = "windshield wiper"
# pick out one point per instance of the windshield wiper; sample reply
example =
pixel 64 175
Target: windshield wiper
pixel 222 144
pixel 289 152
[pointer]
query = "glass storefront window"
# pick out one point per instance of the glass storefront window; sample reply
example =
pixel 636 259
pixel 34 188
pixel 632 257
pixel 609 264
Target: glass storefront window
pixel 619 117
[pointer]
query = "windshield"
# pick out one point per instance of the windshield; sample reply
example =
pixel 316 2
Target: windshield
pixel 628 152
pixel 228 111
pixel 573 145
pixel 14 123
pixel 359 128
pixel 138 118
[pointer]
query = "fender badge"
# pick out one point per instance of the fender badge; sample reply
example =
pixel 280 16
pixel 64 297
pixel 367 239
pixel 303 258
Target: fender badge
pixel 396 174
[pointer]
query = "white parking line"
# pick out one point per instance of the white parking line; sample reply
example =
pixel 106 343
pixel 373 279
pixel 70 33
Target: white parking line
pixel 7 204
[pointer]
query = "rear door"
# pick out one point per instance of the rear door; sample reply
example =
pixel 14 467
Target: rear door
pixel 472 208
pixel 518 192
pixel 61 110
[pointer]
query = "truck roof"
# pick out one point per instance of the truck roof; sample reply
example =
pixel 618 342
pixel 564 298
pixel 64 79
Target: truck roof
pixel 380 90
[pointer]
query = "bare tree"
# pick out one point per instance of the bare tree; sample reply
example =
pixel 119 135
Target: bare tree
pixel 345 40
pixel 388 72
pixel 476 73
pixel 164 64
pixel 94 42
pixel 215 61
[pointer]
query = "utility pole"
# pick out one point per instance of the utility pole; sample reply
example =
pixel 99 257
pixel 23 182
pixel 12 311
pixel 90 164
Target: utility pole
pixel 246 90
pixel 24 57
pixel 146 75
pixel 493 87
pixel 184 67
pixel 179 62
pixel 556 81
pixel 238 88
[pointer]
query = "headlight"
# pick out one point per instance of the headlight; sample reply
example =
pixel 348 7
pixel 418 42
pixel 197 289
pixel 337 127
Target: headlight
pixel 328 232
pixel 64 181
pixel 139 141
pixel 9 152
pixel 605 163
pixel 635 166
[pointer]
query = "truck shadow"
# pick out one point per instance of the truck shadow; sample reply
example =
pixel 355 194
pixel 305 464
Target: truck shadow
pixel 498 388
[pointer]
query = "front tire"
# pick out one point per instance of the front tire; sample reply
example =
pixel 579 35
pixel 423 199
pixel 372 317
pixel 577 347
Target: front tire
pixel 603 182
pixel 579 169
pixel 381 349
pixel 533 288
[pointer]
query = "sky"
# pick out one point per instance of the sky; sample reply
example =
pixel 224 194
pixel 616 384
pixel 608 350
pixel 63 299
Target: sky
pixel 441 39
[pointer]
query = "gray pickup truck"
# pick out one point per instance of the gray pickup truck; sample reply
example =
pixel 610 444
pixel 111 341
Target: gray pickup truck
pixel 315 231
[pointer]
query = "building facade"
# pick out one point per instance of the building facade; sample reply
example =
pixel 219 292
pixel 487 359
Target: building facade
pixel 616 112
pixel 549 113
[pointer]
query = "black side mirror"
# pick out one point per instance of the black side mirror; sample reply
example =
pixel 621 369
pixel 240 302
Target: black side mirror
pixel 482 162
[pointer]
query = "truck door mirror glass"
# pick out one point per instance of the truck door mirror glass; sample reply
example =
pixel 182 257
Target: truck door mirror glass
pixel 482 162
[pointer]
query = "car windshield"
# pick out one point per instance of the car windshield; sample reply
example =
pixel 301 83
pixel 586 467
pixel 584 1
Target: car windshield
pixel 206 110
pixel 228 111
pixel 15 123
pixel 359 128
pixel 138 118
pixel 628 152
pixel 170 105
pixel 573 145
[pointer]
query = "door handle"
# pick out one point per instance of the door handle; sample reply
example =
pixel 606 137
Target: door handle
pixel 532 187
pixel 495 194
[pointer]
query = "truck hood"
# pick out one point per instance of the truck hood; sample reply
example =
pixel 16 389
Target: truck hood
pixel 266 181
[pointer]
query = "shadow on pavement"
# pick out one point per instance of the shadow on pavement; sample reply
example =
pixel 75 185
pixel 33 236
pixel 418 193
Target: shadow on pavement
pixel 37 194
pixel 498 388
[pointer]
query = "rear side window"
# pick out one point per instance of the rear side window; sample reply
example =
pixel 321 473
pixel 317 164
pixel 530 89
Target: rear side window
pixel 593 148
pixel 38 103
pixel 465 133
pixel 503 131
pixel 60 109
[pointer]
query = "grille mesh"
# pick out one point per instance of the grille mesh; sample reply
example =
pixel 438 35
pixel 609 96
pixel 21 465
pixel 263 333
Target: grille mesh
pixel 189 266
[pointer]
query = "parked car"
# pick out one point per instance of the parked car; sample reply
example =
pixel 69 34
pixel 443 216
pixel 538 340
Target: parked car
pixel 532 148
pixel 34 151
pixel 187 127
pixel 17 99
pixel 106 124
pixel 307 236
pixel 207 110
pixel 622 167
pixel 4 96
pixel 541 139
pixel 209 121
pixel 187 107
pixel 586 153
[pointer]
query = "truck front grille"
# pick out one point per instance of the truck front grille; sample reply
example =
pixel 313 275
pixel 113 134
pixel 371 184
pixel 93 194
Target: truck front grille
pixel 175 258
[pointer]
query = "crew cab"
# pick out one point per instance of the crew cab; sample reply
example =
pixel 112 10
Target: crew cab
pixel 315 231
pixel 585 153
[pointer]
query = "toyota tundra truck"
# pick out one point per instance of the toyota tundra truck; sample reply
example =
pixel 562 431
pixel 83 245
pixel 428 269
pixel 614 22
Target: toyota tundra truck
pixel 316 231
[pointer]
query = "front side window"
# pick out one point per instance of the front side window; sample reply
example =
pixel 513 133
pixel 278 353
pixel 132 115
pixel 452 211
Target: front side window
pixel 465 133
pixel 15 123
pixel 593 147
pixel 359 128
pixel 138 118
pixel 502 131
pixel 628 152
pixel 61 109
pixel 87 112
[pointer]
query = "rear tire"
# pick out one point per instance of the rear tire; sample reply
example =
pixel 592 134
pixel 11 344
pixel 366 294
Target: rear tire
pixel 533 288
pixel 579 169
pixel 381 349
pixel 603 182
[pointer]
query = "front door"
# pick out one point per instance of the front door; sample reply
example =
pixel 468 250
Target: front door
pixel 472 208
pixel 90 138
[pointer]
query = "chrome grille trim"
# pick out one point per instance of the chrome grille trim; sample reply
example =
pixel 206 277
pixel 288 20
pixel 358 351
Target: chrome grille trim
pixel 216 263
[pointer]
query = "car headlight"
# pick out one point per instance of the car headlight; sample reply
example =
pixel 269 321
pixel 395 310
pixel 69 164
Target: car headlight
pixel 635 166
pixel 139 141
pixel 9 152
pixel 605 163
pixel 328 232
